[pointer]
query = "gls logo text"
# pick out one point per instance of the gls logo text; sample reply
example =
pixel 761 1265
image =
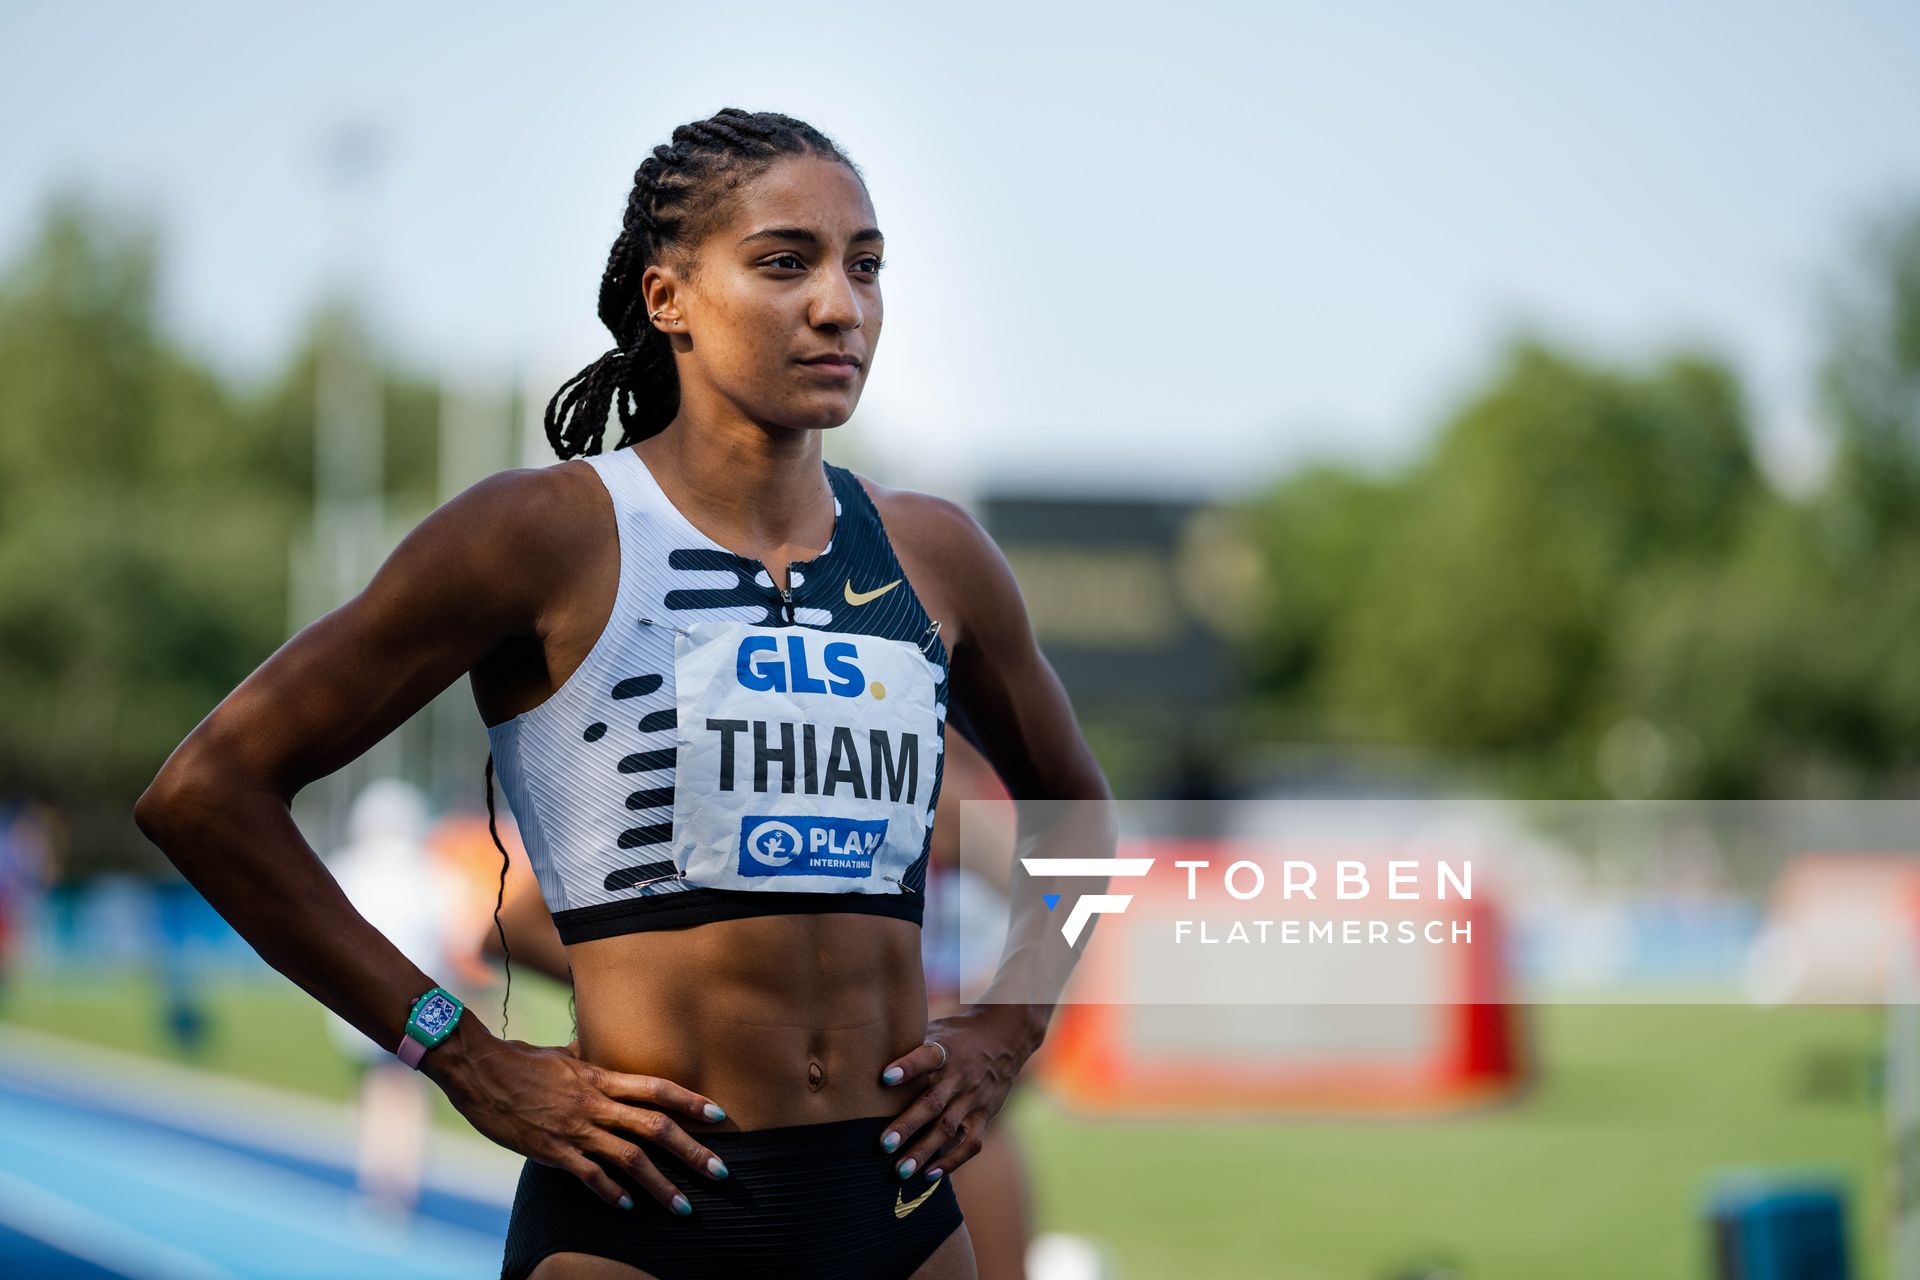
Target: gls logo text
pixel 1092 904
pixel 760 667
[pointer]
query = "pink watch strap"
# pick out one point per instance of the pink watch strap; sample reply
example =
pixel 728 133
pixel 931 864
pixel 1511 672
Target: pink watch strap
pixel 411 1051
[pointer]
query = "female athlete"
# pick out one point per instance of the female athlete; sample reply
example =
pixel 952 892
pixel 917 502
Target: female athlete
pixel 715 673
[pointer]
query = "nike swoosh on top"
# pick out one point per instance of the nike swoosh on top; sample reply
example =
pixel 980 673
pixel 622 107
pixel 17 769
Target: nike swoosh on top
pixel 861 597
pixel 902 1207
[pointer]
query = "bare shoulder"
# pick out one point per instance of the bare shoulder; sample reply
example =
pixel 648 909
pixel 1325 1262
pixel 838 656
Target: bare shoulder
pixel 524 500
pixel 479 572
pixel 930 522
pixel 530 520
pixel 503 558
pixel 937 530
pixel 957 570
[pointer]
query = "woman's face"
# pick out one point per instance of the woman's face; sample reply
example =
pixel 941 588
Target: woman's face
pixel 792 277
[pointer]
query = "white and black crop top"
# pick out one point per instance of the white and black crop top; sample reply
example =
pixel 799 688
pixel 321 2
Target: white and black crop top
pixel 726 750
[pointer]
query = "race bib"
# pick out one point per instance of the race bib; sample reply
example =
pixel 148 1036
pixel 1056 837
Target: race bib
pixel 806 758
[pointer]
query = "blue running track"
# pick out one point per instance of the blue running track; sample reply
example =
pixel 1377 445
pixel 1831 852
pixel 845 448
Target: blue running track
pixel 113 1180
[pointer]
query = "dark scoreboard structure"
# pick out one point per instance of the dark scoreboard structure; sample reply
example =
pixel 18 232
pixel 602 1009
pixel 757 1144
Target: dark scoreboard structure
pixel 1137 603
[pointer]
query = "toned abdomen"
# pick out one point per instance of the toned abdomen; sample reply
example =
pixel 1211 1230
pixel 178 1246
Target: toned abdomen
pixel 782 1020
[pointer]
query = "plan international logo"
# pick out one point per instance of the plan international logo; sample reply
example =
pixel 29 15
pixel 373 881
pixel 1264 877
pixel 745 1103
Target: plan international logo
pixel 809 846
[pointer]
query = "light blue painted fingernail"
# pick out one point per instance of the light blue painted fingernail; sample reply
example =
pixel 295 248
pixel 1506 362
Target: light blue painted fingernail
pixel 716 1166
pixel 626 1202
pixel 715 1113
pixel 682 1206
pixel 906 1166
pixel 933 1175
pixel 891 1075
pixel 889 1141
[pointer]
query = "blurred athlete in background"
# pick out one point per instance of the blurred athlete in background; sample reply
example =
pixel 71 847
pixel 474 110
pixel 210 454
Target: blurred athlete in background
pixel 392 877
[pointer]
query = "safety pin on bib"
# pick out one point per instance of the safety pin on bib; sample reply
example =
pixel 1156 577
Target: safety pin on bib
pixel 649 622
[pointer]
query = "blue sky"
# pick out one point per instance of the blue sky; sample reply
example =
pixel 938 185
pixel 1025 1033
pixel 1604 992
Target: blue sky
pixel 1147 247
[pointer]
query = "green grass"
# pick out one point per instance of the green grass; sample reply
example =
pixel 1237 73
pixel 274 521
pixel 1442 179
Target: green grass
pixel 1598 1171
pixel 267 1030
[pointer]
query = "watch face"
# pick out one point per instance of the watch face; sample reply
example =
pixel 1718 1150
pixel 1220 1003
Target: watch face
pixel 436 1015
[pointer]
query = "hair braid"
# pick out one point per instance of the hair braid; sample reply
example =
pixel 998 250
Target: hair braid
pixel 499 898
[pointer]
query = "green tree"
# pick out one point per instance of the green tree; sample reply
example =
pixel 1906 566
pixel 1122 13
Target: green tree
pixel 1471 607
pixel 1317 532
pixel 141 572
pixel 146 515
pixel 1870 390
pixel 1490 620
pixel 1793 664
pixel 1782 671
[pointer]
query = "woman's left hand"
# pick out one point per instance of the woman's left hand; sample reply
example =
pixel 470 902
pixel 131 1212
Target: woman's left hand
pixel 985 1047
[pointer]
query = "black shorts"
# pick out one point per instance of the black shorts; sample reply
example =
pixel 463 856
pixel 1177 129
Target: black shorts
pixel 817 1200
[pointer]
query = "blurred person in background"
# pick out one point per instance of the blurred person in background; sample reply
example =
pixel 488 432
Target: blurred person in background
pixel 185 1015
pixel 466 846
pixel 391 876
pixel 29 854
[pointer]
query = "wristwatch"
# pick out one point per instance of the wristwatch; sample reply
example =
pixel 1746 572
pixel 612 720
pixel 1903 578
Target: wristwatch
pixel 432 1020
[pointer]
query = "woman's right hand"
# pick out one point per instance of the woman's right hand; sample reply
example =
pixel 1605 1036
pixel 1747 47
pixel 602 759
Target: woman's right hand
pixel 560 1110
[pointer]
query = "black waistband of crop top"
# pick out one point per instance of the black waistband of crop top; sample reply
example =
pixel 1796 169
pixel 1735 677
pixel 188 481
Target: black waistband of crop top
pixel 703 906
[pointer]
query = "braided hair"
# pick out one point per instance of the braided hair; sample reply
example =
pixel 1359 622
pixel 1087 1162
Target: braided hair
pixel 680 193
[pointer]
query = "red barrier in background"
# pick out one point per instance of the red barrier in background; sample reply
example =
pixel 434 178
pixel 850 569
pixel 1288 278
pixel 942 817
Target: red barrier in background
pixel 1463 1045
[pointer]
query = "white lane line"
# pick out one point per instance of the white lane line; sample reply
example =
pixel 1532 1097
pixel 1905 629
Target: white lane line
pixel 94 1237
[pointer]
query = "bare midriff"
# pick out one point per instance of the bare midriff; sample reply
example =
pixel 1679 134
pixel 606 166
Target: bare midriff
pixel 782 1020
